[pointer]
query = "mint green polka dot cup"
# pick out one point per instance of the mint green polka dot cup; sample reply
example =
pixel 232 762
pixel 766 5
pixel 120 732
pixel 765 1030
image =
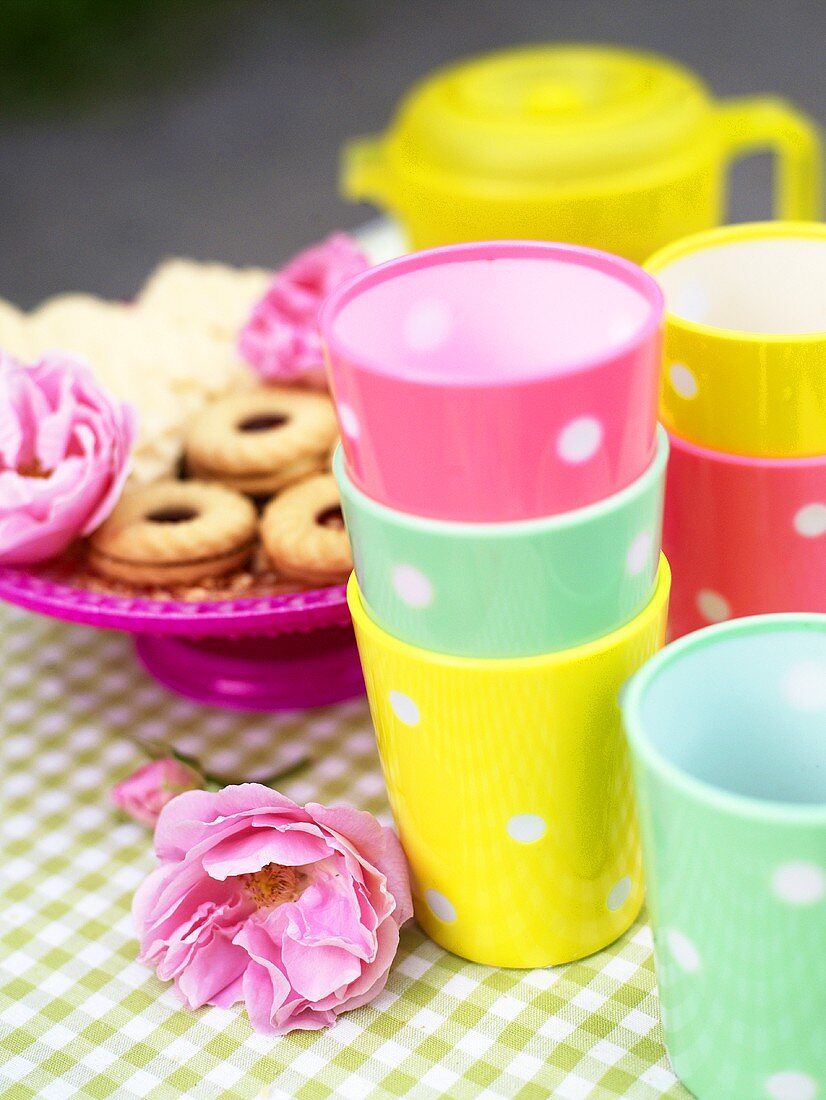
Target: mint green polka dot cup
pixel 508 589
pixel 727 729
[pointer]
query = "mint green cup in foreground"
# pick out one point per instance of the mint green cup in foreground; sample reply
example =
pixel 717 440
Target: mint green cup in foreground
pixel 508 589
pixel 727 729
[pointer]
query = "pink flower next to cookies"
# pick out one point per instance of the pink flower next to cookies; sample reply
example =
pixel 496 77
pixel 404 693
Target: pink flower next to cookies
pixel 294 911
pixel 144 793
pixel 281 340
pixel 64 451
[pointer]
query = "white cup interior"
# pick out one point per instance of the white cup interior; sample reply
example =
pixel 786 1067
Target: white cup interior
pixel 490 319
pixel 764 285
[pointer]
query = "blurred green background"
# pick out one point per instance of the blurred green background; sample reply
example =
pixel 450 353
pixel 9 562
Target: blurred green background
pixel 134 129
pixel 63 55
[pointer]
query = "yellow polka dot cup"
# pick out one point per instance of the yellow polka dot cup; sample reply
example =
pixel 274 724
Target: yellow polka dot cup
pixel 511 789
pixel 727 729
pixel 745 339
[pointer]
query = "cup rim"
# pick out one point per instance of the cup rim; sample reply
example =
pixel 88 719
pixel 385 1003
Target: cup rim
pixel 508 529
pixel 727 234
pixel 530 663
pixel 790 463
pixel 737 805
pixel 633 275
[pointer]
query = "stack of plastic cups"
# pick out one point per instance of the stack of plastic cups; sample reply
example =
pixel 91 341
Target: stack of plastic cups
pixel 502 479
pixel 744 399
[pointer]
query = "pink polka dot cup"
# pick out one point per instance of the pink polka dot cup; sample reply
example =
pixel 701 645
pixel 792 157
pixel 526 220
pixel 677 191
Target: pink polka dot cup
pixel 496 381
pixel 745 536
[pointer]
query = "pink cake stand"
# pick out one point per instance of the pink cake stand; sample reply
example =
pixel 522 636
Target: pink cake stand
pixel 270 653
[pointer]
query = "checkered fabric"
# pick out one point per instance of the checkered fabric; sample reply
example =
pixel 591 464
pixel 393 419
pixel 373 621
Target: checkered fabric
pixel 79 1017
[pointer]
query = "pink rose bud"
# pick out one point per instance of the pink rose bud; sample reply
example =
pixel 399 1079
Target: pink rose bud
pixel 64 453
pixel 144 794
pixel 294 911
pixel 281 340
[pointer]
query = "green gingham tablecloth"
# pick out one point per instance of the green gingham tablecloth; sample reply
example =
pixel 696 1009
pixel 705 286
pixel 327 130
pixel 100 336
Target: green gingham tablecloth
pixel 79 1017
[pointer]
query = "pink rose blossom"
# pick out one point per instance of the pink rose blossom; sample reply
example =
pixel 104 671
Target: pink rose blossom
pixel 64 451
pixel 295 911
pixel 281 339
pixel 144 793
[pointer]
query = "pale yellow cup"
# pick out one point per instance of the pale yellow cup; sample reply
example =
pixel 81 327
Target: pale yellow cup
pixel 511 789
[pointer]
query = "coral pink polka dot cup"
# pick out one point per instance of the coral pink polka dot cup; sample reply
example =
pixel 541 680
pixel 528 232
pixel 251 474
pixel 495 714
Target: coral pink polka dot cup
pixel 496 381
pixel 744 535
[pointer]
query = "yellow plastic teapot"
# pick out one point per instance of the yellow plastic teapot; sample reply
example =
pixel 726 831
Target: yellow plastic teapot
pixel 606 147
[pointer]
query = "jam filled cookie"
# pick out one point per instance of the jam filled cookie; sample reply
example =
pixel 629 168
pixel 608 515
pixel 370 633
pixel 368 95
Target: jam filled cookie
pixel 303 533
pixel 174 532
pixel 260 441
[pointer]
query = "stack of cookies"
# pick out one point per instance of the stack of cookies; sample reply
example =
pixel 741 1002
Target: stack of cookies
pixel 230 491
pixel 255 482
pixel 167 354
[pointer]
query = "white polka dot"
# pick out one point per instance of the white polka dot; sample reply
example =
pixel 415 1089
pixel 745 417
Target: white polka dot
pixel 712 606
pixel 526 828
pixel 804 686
pixel 348 420
pixel 620 893
pixel 639 553
pixel 799 883
pixel 404 708
pixel 579 440
pixel 810 521
pixel 791 1085
pixel 682 950
pixel 427 324
pixel 411 585
pixel 682 380
pixel 441 906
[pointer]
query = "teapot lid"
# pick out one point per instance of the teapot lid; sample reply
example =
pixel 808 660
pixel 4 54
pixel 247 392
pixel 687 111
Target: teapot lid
pixel 547 113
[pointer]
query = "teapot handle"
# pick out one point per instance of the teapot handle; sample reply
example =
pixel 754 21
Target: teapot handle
pixel 765 123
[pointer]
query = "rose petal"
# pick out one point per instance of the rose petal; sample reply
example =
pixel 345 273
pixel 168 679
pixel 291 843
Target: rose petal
pixel 318 972
pixel 377 845
pixel 64 456
pixel 198 816
pixel 289 846
pixel 231 994
pixel 166 903
pixel 266 987
pixel 373 977
pixel 328 914
pixel 281 340
pixel 216 964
